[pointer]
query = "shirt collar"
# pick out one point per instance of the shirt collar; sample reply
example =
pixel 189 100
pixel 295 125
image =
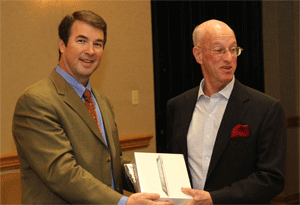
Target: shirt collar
pixel 225 92
pixel 76 85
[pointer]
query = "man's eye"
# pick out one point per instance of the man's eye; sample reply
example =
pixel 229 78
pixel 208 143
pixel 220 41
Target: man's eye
pixel 219 50
pixel 99 45
pixel 81 40
pixel 233 49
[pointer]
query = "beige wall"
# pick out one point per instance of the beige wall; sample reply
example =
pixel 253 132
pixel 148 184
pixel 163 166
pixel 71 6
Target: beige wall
pixel 29 52
pixel 281 67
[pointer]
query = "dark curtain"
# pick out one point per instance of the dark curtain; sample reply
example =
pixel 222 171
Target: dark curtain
pixel 175 69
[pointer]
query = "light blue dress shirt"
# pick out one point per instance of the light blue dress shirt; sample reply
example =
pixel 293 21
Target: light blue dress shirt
pixel 79 88
pixel 204 126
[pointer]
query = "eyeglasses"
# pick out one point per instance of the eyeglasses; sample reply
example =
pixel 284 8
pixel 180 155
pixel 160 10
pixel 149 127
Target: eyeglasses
pixel 220 51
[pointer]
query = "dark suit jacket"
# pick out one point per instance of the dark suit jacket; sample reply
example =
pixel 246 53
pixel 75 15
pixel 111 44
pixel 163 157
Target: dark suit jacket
pixel 243 169
pixel 63 156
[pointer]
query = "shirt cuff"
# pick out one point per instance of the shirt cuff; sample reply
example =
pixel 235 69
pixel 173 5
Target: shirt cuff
pixel 123 200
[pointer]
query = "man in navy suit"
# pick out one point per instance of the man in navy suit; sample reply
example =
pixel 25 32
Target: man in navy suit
pixel 233 137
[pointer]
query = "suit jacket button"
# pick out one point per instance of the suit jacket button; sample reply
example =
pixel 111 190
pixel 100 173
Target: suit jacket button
pixel 108 159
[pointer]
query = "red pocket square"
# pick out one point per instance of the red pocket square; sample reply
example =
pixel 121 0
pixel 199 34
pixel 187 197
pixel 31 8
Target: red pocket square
pixel 240 131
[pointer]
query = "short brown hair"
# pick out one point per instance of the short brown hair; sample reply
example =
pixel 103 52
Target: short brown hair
pixel 64 29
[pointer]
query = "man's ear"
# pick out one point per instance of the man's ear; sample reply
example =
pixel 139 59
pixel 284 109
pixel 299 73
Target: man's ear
pixel 61 45
pixel 198 54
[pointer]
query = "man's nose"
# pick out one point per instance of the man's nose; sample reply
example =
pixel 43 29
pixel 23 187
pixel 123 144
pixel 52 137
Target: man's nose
pixel 90 50
pixel 227 56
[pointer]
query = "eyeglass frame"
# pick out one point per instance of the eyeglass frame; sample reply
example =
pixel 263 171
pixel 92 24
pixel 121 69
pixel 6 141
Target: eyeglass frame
pixel 224 51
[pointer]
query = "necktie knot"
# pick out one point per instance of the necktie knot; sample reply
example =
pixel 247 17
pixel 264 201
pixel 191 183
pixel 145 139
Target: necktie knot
pixel 87 95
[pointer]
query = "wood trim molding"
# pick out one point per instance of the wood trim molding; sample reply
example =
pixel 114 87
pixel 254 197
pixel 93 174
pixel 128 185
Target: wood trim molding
pixel 135 142
pixel 11 160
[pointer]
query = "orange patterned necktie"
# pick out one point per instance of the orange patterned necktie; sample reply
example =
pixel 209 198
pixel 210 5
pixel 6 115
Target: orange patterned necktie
pixel 89 103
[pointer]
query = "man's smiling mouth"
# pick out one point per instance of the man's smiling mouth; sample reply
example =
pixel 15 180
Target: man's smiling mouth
pixel 87 61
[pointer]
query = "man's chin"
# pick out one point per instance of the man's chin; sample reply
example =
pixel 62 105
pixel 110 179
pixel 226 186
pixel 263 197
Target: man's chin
pixel 85 76
pixel 87 72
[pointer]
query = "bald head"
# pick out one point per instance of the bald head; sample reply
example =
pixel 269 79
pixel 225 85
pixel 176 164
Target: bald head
pixel 203 31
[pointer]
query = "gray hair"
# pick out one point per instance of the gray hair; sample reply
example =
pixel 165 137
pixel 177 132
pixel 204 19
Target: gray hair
pixel 197 33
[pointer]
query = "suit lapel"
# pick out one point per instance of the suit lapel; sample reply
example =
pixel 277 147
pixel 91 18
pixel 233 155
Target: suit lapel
pixel 106 119
pixel 190 102
pixel 234 113
pixel 70 97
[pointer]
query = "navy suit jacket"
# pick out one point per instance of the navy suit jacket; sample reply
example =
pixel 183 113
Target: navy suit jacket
pixel 242 169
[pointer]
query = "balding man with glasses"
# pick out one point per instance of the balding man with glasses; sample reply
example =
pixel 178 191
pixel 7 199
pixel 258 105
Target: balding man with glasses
pixel 233 138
